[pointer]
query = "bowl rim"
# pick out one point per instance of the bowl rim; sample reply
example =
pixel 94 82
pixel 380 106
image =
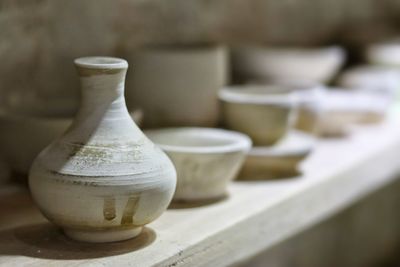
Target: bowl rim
pixel 309 143
pixel 238 141
pixel 101 62
pixel 243 94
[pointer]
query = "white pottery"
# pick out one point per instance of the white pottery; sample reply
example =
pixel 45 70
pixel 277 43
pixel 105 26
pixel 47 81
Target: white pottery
pixel 308 101
pixel 206 159
pixel 102 180
pixel 372 78
pixel 343 108
pixel 267 63
pixel 386 53
pixel 280 160
pixel 25 132
pixel 177 86
pixel 265 113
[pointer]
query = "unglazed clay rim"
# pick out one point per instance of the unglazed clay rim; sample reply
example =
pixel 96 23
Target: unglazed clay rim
pixel 184 48
pixel 263 151
pixel 101 63
pixel 337 49
pixel 238 141
pixel 242 94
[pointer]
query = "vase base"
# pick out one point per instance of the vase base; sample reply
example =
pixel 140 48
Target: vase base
pixel 102 236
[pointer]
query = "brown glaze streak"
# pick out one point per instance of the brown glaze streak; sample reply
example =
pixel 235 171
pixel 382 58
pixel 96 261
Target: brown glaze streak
pixel 86 72
pixel 109 208
pixel 130 210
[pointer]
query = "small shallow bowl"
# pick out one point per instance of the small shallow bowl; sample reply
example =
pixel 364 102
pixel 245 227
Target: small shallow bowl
pixel 265 113
pixel 206 159
pixel 343 108
pixel 312 64
pixel 25 133
pixel 279 161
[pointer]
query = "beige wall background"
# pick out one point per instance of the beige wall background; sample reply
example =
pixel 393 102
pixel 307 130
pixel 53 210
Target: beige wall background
pixel 40 38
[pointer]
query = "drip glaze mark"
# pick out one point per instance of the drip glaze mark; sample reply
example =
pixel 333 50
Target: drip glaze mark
pixel 130 210
pixel 109 208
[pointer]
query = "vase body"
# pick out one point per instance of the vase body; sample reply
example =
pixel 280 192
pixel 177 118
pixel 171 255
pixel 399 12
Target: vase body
pixel 102 180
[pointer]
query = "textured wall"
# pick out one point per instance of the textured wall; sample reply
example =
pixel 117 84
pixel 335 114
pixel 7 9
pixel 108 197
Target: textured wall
pixel 39 38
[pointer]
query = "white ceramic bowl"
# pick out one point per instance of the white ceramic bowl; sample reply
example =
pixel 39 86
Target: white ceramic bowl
pixel 343 108
pixel 206 159
pixel 279 161
pixel 309 96
pixel 265 113
pixel 266 63
pixel 372 78
pixel 24 134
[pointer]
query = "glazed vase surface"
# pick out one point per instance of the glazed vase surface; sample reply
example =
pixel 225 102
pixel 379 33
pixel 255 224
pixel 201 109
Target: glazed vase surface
pixel 103 179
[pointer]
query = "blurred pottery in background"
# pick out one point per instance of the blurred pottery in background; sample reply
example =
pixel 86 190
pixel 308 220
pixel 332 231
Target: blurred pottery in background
pixel 25 133
pixel 177 85
pixel 206 159
pixel 385 80
pixel 386 53
pixel 267 63
pixel 342 108
pixel 309 109
pixel 308 102
pixel 265 113
pixel 102 180
pixel 279 161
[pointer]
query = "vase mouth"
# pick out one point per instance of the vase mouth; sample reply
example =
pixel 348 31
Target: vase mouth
pixel 101 63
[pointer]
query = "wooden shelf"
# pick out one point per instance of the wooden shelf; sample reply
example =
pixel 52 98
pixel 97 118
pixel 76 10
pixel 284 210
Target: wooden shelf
pixel 254 217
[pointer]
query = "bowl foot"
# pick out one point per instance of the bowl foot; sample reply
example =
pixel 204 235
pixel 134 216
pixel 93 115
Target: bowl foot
pixel 102 236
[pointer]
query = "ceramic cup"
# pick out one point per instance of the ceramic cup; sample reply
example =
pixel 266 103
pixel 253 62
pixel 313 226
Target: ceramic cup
pixel 177 86
pixel 318 64
pixel 265 113
pixel 206 160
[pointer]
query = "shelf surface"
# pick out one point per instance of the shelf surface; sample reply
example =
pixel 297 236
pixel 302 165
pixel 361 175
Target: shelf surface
pixel 255 216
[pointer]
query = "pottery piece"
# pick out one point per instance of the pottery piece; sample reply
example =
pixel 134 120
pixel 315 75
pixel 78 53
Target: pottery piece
pixel 308 102
pixel 177 86
pixel 103 179
pixel 27 131
pixel 309 110
pixel 372 78
pixel 385 53
pixel 206 159
pixel 268 63
pixel 343 108
pixel 265 113
pixel 280 160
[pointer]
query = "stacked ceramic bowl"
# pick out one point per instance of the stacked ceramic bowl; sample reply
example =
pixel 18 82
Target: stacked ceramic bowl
pixel 268 115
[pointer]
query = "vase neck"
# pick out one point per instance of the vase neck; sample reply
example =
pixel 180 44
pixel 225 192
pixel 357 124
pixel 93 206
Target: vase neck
pixel 102 110
pixel 103 93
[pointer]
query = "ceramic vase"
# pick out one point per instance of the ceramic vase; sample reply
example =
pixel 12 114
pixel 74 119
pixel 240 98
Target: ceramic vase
pixel 103 179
